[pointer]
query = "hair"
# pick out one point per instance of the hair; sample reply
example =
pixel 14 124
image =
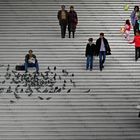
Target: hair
pixel 30 51
pixel 102 34
pixel 136 8
pixel 62 6
pixel 138 32
pixel 127 22
pixel 72 7
pixel 90 39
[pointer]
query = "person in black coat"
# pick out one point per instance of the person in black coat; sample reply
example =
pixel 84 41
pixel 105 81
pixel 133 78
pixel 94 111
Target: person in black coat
pixel 103 48
pixel 89 53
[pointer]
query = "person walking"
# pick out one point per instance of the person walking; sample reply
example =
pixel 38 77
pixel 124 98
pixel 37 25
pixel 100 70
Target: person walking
pixel 103 48
pixel 89 53
pixel 127 28
pixel 136 40
pixel 72 21
pixel 134 17
pixel 62 16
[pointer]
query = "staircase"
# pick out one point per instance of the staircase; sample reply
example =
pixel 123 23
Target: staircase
pixel 92 105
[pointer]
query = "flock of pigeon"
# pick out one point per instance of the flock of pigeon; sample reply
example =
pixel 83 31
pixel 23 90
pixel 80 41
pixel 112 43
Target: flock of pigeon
pixel 50 81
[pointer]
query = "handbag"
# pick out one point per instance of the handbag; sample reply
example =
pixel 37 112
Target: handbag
pixel 20 67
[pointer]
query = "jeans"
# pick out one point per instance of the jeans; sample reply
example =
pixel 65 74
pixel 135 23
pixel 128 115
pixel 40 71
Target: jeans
pixel 89 62
pixel 102 57
pixel 31 65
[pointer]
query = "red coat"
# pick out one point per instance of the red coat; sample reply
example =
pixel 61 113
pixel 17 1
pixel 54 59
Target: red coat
pixel 136 41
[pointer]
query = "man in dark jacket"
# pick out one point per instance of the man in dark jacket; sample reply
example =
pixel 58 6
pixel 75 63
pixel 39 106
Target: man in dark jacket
pixel 89 53
pixel 31 61
pixel 62 16
pixel 103 48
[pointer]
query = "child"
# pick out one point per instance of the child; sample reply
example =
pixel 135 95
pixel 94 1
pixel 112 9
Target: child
pixel 127 29
pixel 89 53
pixel 136 40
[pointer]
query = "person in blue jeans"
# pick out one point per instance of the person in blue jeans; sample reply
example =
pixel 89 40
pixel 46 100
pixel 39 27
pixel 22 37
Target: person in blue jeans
pixel 31 61
pixel 103 48
pixel 89 53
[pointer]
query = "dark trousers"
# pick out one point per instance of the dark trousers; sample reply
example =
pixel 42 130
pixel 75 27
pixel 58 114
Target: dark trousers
pixel 63 30
pixel 134 29
pixel 73 33
pixel 71 29
pixel 137 53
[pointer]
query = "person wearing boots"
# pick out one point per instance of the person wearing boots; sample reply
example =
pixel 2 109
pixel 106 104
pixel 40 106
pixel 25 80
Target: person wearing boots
pixel 72 21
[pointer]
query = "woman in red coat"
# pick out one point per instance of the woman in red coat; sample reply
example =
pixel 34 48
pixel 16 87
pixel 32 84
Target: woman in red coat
pixel 136 40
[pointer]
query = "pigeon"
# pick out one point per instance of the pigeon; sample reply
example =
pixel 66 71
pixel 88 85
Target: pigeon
pixel 8 67
pixel 59 90
pixel 9 90
pixel 16 96
pixel 37 89
pixel 11 101
pixel 64 85
pixel 54 67
pixel 72 75
pixel 87 91
pixel 54 77
pixel 71 81
pixel 69 90
pixel 1 65
pixel 74 84
pixel 65 72
pixel 30 94
pixel 21 91
pixel 41 98
pixel 56 88
pixel 1 90
pixel 3 81
pixel 49 68
pixel 48 98
pixel 45 90
pixel 59 77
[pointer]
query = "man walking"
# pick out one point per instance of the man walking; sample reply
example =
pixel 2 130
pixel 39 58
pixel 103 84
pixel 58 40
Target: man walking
pixel 102 49
pixel 62 16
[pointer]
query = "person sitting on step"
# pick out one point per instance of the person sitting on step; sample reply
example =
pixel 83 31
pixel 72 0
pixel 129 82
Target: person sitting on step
pixel 31 61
